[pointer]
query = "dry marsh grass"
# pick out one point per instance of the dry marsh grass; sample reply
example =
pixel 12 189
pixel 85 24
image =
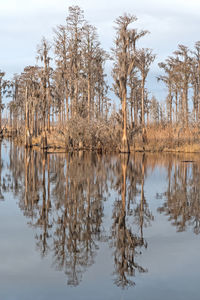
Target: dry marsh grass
pixel 104 136
pixel 172 139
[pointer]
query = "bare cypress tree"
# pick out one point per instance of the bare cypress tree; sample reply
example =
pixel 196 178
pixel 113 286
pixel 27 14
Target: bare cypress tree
pixel 90 44
pixel 168 80
pixel 178 78
pixel 4 88
pixel 61 47
pixel 134 82
pixel 93 70
pixel 27 96
pixel 2 74
pixel 75 22
pixel 154 110
pixel 145 57
pixel 16 108
pixel 195 80
pixel 184 65
pixel 134 85
pixel 100 87
pixel 25 104
pixel 124 60
pixel 79 75
pixel 45 74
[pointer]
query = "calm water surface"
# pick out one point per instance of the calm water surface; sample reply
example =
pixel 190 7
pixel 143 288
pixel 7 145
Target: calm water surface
pixel 86 226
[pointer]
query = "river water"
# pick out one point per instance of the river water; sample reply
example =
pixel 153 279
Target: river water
pixel 86 226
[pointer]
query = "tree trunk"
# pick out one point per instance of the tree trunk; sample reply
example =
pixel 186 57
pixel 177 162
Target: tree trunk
pixel 89 98
pixel 0 106
pixel 142 108
pixel 124 143
pixel 67 105
pixel 48 109
pixel 28 138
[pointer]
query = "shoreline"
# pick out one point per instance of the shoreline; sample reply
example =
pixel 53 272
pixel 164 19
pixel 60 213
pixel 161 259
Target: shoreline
pixel 157 140
pixel 140 148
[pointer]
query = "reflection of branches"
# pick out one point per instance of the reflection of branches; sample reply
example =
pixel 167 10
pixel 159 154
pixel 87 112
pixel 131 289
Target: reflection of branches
pixel 143 215
pixel 125 242
pixel 44 210
pixel 62 196
pixel 78 226
pixel 182 203
pixel 1 194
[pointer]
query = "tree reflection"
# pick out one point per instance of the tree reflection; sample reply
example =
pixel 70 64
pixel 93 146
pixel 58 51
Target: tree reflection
pixel 142 213
pixel 182 198
pixel 79 219
pixel 1 194
pixel 43 220
pixel 63 199
pixel 126 241
pixel 62 196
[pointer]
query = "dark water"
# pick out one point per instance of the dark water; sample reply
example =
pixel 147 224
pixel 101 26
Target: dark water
pixel 86 226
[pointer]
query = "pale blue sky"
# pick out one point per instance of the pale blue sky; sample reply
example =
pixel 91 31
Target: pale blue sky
pixel 24 22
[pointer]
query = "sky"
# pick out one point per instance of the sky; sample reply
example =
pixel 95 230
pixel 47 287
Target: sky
pixel 23 23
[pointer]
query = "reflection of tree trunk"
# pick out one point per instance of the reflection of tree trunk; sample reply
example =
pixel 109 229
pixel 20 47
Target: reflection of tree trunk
pixel 35 181
pixel 65 218
pixel 49 188
pixel 125 241
pixel 26 176
pixel 0 103
pixel 169 177
pixel 124 170
pixel 122 225
pixel 142 200
pixel 1 195
pixel 124 164
pixel 185 197
pixel 44 214
pixel 88 212
pixel 0 162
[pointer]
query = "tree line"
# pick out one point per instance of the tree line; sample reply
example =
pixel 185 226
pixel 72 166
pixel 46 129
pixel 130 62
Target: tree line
pixel 67 88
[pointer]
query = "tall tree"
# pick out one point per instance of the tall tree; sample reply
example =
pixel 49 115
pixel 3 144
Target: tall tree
pixel 184 65
pixel 4 84
pixel 123 64
pixel 61 46
pixel 195 80
pixel 45 74
pixel 145 57
pixel 75 22
pixel 168 80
